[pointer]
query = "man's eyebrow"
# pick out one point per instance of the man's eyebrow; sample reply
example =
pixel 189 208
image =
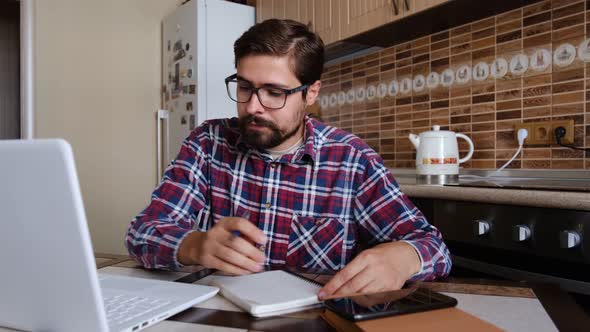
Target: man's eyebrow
pixel 268 85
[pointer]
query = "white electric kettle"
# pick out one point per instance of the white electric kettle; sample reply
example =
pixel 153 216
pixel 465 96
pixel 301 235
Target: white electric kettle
pixel 437 156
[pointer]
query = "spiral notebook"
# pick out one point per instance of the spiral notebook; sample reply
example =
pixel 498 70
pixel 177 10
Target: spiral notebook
pixel 269 293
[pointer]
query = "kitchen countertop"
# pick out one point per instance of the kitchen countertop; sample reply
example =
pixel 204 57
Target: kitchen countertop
pixel 561 199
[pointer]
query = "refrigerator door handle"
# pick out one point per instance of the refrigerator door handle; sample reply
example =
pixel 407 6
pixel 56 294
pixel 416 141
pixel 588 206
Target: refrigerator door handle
pixel 163 137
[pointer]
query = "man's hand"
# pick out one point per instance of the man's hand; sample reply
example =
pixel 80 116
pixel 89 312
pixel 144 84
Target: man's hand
pixel 382 268
pixel 221 249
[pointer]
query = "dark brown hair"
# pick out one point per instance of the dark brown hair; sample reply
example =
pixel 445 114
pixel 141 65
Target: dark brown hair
pixel 285 37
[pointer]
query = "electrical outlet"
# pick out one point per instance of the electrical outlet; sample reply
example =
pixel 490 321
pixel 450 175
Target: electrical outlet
pixel 543 133
pixel 569 131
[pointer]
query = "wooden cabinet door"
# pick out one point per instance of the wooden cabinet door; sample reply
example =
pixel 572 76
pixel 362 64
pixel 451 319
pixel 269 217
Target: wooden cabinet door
pixel 306 12
pixel 326 20
pixel 414 6
pixel 358 16
pixel 264 10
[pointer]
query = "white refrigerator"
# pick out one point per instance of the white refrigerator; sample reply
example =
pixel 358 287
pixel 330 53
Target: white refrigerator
pixel 197 54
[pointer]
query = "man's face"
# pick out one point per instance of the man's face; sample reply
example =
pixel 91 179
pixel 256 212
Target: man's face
pixel 265 128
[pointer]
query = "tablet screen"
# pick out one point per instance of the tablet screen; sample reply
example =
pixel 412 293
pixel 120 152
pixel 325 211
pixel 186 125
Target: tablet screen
pixel 389 303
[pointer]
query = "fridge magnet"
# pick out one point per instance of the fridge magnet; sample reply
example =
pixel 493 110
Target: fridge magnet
pixel 381 90
pixel 419 83
pixel 463 74
pixel 169 45
pixel 192 88
pixel 190 58
pixel 499 68
pixel 447 77
pixel 540 59
pixel 564 55
pixel 519 64
pixel 406 86
pixel 186 89
pixel 350 96
pixel 361 93
pixel 183 73
pixel 371 92
pixel 191 122
pixel 481 71
pixel 183 120
pixel 189 73
pixel 393 88
pixel 333 100
pixel 341 98
pixel 189 106
pixel 432 80
pixel 324 102
pixel 178 45
pixel 584 50
pixel 187 46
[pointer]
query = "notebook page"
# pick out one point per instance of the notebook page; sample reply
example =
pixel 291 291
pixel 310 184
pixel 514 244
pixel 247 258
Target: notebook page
pixel 268 290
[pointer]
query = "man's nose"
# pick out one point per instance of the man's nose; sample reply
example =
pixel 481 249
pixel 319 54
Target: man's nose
pixel 254 106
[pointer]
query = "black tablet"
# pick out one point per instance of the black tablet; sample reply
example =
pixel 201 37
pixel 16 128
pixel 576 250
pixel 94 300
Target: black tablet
pixel 392 303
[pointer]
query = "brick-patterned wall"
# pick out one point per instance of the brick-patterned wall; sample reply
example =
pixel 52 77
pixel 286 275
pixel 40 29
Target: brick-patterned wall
pixel 484 110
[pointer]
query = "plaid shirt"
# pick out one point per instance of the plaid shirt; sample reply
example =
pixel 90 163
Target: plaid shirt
pixel 319 206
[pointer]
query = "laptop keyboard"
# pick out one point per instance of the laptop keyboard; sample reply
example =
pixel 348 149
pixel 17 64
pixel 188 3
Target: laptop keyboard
pixel 121 308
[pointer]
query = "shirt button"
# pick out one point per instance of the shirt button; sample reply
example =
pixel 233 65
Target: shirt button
pixel 273 165
pixel 262 248
pixel 267 205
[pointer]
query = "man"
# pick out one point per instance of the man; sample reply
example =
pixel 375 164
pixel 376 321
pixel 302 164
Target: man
pixel 276 187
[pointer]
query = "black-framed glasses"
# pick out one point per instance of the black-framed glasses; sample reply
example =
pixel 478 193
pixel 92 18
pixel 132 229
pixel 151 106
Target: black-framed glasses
pixel 270 97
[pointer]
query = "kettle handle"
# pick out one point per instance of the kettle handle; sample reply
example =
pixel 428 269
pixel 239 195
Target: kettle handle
pixel 471 148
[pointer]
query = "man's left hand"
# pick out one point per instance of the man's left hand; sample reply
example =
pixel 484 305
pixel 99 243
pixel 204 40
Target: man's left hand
pixel 382 268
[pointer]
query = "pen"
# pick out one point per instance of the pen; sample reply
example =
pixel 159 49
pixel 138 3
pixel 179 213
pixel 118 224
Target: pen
pixel 245 215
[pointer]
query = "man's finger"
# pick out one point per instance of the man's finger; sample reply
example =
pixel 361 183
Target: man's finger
pixel 246 229
pixel 223 266
pixel 349 271
pixel 357 284
pixel 246 248
pixel 241 261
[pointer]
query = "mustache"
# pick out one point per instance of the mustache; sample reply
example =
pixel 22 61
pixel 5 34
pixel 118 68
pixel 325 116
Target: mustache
pixel 259 121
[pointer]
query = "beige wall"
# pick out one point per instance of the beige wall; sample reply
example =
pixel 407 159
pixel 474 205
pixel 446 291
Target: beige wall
pixel 97 67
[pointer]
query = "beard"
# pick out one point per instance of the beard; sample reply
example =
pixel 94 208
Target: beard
pixel 263 140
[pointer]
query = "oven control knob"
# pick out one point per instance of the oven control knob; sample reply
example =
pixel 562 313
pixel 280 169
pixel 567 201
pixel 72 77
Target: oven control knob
pixel 521 233
pixel 481 227
pixel 569 239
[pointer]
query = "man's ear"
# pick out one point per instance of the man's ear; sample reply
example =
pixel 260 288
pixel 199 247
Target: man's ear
pixel 312 92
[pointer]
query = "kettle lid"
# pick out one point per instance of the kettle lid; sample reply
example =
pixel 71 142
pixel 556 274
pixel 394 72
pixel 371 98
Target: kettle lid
pixel 436 127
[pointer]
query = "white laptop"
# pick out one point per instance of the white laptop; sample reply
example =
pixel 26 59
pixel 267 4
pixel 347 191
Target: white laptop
pixel 48 277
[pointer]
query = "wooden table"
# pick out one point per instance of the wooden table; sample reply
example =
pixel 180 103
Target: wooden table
pixel 508 305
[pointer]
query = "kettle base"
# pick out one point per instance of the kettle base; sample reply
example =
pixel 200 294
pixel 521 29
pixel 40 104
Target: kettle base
pixel 438 179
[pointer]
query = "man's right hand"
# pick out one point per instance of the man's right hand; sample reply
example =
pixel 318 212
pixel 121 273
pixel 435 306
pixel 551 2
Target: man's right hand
pixel 221 249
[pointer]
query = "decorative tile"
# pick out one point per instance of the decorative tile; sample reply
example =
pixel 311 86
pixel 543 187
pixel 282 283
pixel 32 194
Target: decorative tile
pixel 484 108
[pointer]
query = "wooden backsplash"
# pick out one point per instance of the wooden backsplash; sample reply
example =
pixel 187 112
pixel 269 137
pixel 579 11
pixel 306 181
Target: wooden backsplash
pixel 485 110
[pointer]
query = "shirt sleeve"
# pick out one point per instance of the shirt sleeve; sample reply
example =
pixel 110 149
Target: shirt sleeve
pixel 177 207
pixel 385 214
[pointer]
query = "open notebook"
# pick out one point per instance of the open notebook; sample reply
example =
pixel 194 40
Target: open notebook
pixel 268 293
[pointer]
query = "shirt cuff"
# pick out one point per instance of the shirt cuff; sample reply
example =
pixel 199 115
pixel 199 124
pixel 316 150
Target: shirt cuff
pixel 416 275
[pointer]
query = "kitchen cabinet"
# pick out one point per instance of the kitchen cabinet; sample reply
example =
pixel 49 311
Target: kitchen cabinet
pixel 326 20
pixel 297 10
pixel 358 16
pixel 415 6
pixel 334 20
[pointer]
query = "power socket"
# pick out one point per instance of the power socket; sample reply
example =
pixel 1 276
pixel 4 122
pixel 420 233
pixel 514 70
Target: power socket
pixel 543 133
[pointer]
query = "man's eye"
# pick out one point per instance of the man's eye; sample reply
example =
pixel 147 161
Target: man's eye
pixel 244 87
pixel 274 92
